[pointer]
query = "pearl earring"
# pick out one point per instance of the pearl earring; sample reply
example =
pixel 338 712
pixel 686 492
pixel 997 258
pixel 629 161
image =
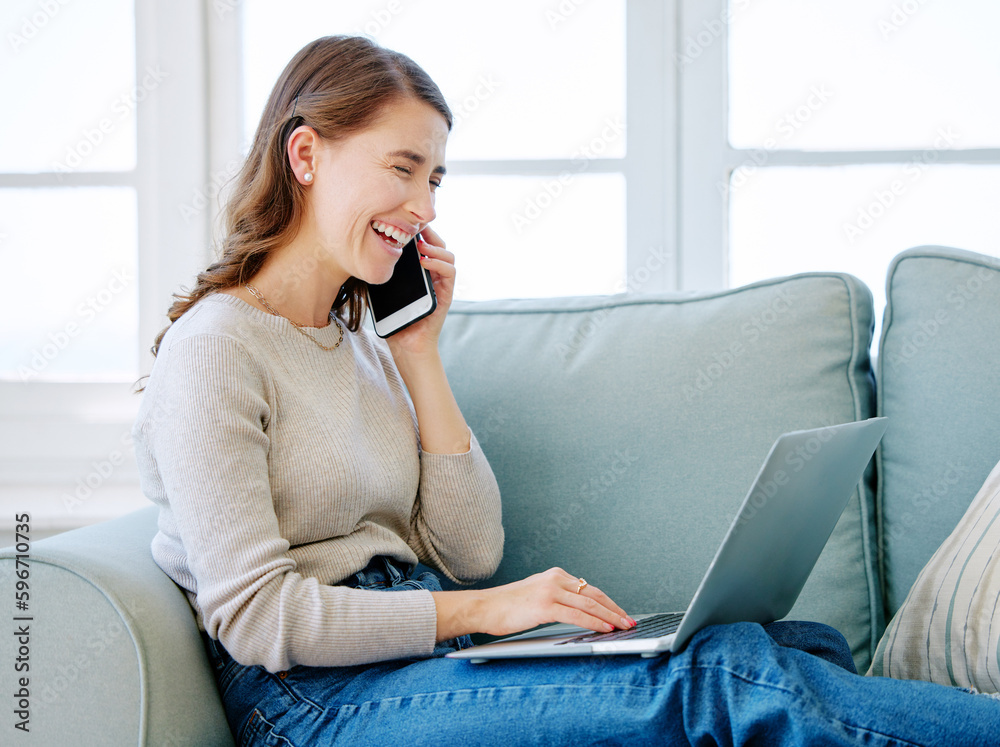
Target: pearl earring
pixel 307 177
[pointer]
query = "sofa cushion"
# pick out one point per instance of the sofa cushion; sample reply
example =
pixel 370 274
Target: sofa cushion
pixel 116 656
pixel 625 431
pixel 946 630
pixel 939 359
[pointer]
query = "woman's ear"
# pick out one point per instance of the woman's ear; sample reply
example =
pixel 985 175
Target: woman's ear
pixel 302 148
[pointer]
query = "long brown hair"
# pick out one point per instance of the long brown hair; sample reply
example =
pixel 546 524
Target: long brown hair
pixel 338 85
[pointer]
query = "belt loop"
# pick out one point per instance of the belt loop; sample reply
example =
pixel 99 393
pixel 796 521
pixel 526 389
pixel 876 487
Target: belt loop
pixel 393 576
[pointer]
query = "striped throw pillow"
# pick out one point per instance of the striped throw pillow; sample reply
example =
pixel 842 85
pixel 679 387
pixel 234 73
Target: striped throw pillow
pixel 948 628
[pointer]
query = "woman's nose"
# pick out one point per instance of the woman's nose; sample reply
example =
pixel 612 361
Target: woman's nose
pixel 422 206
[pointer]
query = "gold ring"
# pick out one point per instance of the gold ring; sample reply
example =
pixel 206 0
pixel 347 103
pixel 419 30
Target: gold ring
pixel 581 584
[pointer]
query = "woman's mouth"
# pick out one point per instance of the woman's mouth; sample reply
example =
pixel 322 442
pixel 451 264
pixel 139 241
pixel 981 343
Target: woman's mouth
pixel 394 237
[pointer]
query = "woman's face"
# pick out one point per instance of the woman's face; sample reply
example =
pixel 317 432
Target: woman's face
pixel 372 191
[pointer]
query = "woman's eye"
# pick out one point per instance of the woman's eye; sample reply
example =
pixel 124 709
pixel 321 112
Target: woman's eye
pixel 405 170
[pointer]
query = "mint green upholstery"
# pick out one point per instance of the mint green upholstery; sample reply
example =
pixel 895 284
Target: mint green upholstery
pixel 625 431
pixel 939 374
pixel 115 654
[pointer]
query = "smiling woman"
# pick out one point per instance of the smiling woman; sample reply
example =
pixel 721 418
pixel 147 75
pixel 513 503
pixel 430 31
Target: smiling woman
pixel 358 232
pixel 315 126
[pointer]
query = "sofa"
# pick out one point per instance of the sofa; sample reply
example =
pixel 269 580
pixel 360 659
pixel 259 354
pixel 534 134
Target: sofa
pixel 624 431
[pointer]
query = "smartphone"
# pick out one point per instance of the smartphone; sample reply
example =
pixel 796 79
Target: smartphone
pixel 407 297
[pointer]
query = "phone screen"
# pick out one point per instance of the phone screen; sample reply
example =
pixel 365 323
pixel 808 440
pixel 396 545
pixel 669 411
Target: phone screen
pixel 407 297
pixel 404 287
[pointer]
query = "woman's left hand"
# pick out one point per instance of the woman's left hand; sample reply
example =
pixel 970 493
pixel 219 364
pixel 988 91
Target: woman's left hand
pixel 422 337
pixel 443 430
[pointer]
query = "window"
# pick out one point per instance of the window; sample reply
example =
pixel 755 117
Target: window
pixel 849 131
pixel 548 174
pixel 102 155
pixel 81 123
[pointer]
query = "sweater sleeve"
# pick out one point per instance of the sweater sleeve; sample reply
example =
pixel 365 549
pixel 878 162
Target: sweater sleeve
pixel 456 525
pixel 211 456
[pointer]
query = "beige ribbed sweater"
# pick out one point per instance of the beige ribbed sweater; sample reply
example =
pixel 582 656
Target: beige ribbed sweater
pixel 281 468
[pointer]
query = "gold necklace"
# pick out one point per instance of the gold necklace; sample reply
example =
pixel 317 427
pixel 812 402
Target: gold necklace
pixel 260 297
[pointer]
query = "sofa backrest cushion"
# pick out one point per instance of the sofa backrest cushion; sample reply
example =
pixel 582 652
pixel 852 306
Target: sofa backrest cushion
pixel 939 384
pixel 625 431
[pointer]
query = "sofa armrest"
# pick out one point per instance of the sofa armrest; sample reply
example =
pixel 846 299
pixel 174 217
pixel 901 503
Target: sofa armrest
pixel 113 650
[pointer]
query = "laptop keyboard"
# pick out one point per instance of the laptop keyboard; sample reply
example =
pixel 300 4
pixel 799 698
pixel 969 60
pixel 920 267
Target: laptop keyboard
pixel 649 627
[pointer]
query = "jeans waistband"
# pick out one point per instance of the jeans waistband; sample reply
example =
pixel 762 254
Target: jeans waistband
pixel 386 574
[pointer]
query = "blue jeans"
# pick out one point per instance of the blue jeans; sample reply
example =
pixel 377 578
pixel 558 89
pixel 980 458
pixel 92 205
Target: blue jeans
pixel 782 684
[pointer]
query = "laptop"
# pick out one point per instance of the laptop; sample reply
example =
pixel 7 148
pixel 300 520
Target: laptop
pixel 762 564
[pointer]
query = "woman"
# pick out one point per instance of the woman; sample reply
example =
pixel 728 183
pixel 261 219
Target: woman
pixel 303 467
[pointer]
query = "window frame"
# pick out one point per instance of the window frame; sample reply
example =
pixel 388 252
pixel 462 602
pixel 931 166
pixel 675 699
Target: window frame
pixel 707 158
pixel 651 238
pixel 56 437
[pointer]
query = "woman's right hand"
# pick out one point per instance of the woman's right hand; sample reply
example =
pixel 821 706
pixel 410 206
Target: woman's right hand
pixel 551 596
